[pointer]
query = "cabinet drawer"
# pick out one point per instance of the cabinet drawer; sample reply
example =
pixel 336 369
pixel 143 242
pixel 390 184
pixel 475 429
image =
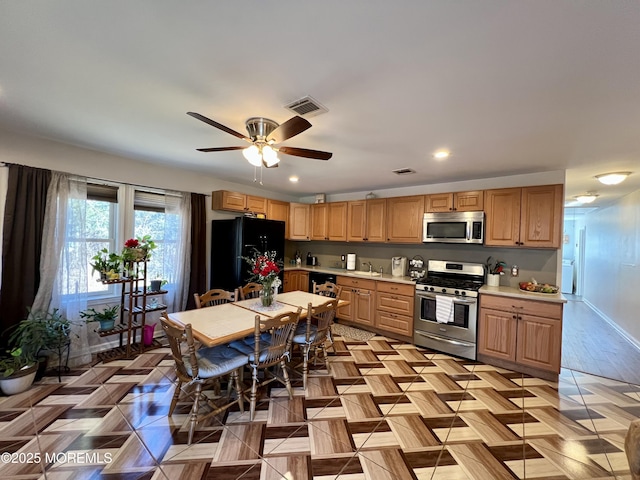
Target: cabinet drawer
pixel 397 288
pixel 527 307
pixel 400 304
pixel 356 282
pixel 402 324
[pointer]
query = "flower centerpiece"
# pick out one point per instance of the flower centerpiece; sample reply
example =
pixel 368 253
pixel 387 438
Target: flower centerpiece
pixel 264 268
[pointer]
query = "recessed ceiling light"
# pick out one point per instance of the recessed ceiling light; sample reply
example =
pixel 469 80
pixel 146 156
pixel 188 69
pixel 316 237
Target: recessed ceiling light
pixel 586 198
pixel 441 154
pixel 613 178
pixel 293 179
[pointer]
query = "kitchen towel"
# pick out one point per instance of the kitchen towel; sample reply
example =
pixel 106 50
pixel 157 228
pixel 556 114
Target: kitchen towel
pixel 444 309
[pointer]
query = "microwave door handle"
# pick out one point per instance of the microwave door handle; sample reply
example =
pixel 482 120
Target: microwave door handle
pixel 469 225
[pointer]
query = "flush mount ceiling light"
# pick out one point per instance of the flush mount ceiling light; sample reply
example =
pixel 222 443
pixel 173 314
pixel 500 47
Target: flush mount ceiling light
pixel 441 154
pixel 293 179
pixel 586 198
pixel 613 178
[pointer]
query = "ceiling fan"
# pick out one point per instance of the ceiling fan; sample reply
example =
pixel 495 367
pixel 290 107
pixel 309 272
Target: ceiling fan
pixel 263 135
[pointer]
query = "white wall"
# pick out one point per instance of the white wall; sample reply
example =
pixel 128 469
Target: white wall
pixel 612 263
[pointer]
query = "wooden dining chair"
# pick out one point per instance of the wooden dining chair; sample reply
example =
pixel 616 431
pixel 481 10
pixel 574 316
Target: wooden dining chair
pixel 270 346
pixel 327 289
pixel 215 296
pixel 250 290
pixel 331 290
pixel 312 334
pixel 202 367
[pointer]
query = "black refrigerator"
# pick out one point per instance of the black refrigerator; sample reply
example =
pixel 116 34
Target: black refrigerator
pixel 236 238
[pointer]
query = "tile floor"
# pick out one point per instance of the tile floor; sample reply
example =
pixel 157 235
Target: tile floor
pixel 388 410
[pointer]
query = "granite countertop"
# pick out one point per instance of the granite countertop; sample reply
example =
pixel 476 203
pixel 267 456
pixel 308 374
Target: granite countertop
pixel 385 277
pixel 517 293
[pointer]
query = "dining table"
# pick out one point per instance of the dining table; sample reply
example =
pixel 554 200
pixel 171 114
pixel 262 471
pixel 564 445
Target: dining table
pixel 220 324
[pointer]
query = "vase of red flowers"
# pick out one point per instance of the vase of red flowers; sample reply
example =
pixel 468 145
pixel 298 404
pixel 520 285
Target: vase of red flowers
pixel 265 268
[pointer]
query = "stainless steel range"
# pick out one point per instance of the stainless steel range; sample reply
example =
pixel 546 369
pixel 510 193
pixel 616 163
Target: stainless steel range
pixel 446 307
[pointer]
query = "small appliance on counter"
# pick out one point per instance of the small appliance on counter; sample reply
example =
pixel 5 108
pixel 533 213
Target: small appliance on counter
pixel 417 268
pixel 351 261
pixel 398 266
pixel 311 260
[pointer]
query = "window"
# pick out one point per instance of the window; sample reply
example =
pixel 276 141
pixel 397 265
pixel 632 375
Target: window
pixel 101 221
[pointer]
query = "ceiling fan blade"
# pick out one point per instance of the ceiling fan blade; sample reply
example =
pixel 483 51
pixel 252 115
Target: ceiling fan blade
pixel 304 152
pixel 218 125
pixel 219 149
pixel 288 129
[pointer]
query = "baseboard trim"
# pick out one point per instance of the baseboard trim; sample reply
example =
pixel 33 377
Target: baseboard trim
pixel 613 324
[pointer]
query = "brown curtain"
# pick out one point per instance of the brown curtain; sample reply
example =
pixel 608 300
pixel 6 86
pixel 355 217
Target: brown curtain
pixel 22 242
pixel 198 280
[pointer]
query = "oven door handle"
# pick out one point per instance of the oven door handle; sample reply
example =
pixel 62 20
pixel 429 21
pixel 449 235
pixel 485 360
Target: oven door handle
pixel 445 340
pixel 466 301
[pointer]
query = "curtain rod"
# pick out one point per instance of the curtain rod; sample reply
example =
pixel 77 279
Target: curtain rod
pixel 107 182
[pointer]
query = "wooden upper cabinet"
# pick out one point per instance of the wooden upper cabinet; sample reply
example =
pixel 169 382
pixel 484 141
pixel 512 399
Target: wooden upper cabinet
pixel 356 220
pixel 329 221
pixel 299 221
pixel 469 201
pixel 319 217
pixel 256 204
pixel 376 220
pixel 237 202
pixel 502 223
pixel 472 201
pixel 366 220
pixel 438 202
pixel 278 210
pixel 404 219
pixel 541 216
pixel 337 221
pixel 529 217
pixel 226 200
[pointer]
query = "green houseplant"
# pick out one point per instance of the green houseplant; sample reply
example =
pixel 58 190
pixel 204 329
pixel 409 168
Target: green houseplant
pixel 107 264
pixel 17 371
pixel 107 316
pixel 41 331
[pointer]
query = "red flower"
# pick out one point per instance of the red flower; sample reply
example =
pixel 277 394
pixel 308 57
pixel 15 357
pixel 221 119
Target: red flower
pixel 132 243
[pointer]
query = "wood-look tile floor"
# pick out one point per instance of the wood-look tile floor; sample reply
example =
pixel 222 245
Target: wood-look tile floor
pixel 387 410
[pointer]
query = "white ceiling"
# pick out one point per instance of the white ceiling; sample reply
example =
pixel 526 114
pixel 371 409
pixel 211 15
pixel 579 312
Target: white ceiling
pixel 510 87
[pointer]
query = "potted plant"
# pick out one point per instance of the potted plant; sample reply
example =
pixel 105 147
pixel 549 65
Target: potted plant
pixel 138 249
pixel 107 316
pixel 107 264
pixel 42 331
pixel 17 371
pixel 156 284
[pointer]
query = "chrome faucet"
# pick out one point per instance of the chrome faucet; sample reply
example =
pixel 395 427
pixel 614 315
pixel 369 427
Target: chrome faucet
pixel 370 266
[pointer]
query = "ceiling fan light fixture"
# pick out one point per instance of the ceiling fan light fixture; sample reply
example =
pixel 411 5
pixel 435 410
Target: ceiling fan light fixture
pixel 270 156
pixel 613 178
pixel 253 156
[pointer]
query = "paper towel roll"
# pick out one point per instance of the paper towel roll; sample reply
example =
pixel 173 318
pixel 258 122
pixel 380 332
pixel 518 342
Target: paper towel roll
pixel 351 261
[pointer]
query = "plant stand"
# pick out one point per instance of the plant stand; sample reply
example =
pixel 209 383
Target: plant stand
pixel 133 313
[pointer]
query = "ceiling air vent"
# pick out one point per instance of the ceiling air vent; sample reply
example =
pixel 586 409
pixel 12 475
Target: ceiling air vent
pixel 307 107
pixel 404 171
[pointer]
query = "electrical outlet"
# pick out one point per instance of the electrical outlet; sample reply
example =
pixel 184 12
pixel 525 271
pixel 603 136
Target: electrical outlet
pixel 514 271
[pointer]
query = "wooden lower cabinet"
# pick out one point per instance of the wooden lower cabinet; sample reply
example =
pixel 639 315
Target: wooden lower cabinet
pixel 361 297
pixel 394 308
pixel 296 280
pixel 525 335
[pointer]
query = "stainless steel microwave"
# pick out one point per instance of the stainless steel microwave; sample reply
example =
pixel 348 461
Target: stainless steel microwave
pixel 453 227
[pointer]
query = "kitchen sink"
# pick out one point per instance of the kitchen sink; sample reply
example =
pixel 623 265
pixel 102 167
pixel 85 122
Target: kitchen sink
pixel 365 274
